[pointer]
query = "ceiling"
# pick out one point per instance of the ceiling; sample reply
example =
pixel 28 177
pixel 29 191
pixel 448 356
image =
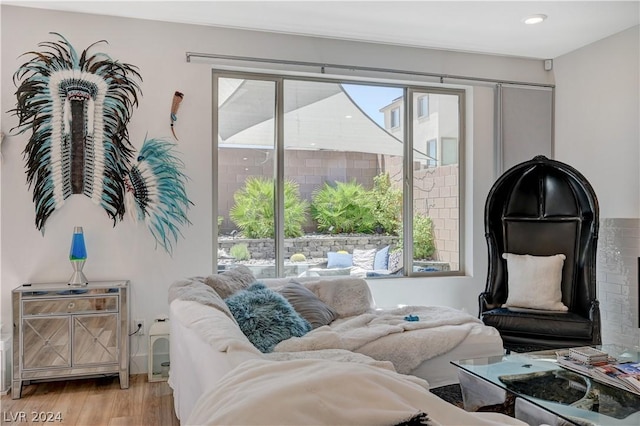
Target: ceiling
pixel 493 27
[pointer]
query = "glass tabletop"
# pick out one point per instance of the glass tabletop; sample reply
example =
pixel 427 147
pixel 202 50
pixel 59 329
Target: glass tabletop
pixel 579 399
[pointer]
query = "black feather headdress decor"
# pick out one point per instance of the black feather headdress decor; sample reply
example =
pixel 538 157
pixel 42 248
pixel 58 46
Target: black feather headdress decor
pixel 78 108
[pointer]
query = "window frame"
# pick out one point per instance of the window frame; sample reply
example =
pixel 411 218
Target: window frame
pixel 409 88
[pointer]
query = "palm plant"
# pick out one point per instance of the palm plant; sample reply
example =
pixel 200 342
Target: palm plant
pixel 253 211
pixel 345 207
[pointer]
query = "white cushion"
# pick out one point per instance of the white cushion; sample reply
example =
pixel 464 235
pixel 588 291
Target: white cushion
pixel 535 281
pixel 395 261
pixel 364 258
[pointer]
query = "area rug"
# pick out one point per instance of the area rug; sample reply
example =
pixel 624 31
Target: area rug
pixel 453 395
pixel 450 393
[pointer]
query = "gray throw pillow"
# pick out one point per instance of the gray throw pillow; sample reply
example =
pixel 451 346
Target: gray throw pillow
pixel 231 281
pixel 308 305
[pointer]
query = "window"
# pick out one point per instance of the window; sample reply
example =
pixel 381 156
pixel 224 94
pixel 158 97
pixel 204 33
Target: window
pixel 308 167
pixel 449 151
pixel 395 118
pixel 423 106
pixel 432 153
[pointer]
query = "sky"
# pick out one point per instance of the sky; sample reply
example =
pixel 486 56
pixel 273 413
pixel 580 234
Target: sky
pixel 371 98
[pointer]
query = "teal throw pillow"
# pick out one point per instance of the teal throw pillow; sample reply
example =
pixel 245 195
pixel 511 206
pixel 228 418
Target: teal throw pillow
pixel 266 317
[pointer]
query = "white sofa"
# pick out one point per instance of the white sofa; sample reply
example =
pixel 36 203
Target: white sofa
pixel 209 353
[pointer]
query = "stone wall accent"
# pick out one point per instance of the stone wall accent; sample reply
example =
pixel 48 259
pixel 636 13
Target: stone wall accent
pixel 617 280
pixel 313 247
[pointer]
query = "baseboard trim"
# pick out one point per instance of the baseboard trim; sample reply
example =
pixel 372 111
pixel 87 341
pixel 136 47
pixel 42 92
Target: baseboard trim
pixel 138 364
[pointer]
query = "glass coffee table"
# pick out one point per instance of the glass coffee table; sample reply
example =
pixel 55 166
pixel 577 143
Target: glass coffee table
pixel 543 384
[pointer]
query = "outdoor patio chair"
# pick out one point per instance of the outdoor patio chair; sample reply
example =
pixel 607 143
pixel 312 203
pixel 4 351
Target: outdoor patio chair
pixel 542 294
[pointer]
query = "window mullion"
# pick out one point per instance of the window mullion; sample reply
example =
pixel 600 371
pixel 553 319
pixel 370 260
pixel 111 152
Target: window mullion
pixel 215 169
pixel 279 178
pixel 407 211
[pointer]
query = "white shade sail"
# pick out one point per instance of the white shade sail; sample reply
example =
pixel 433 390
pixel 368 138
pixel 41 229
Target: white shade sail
pixel 318 116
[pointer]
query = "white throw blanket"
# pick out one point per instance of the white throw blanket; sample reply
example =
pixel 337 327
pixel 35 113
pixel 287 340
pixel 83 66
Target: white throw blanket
pixel 326 392
pixel 386 335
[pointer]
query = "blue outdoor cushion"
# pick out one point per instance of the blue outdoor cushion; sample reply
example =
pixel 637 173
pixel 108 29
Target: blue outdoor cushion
pixel 339 260
pixel 381 260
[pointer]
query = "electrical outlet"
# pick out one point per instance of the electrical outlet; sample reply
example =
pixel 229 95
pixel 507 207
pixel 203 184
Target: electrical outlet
pixel 142 328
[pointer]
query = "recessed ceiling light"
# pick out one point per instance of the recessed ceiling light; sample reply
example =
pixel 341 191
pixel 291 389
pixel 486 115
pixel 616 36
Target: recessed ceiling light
pixel 347 116
pixel 534 19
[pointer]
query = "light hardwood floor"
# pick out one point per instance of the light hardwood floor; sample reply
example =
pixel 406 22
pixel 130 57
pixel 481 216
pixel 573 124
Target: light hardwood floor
pixel 92 402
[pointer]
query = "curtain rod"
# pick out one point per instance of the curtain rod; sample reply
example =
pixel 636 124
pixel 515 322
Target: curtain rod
pixel 323 66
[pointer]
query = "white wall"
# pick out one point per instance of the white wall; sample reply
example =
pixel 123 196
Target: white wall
pixel 598 132
pixel 158 49
pixel 597 124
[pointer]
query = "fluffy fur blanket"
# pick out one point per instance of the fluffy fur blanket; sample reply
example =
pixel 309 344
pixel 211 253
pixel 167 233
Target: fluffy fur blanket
pixel 327 392
pixel 386 335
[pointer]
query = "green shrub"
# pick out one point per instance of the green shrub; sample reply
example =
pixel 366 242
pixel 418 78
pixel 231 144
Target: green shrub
pixel 253 210
pixel 388 204
pixel 423 241
pixel 345 207
pixel 240 251
pixel 298 257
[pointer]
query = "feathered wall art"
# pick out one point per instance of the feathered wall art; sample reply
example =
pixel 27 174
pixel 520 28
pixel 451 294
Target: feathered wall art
pixel 78 108
pixel 156 191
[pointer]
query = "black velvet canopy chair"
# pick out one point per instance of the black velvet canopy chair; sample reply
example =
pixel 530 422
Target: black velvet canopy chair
pixel 543 207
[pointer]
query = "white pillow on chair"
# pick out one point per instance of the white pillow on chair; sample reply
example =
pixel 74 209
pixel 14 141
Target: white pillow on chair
pixel 535 281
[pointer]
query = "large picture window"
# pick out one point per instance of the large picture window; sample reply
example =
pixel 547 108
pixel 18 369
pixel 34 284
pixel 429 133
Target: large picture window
pixel 318 177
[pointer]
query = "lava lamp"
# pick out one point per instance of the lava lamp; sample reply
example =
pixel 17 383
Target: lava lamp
pixel 78 256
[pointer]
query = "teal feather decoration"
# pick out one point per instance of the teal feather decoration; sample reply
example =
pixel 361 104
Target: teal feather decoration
pixel 156 192
pixel 77 108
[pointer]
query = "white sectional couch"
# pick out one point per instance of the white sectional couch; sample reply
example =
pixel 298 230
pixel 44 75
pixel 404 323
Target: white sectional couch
pixel 209 352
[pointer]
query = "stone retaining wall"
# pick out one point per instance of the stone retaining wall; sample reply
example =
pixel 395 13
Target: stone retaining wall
pixel 313 247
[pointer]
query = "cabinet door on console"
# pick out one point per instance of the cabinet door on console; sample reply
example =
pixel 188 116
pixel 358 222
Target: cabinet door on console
pixel 46 342
pixel 95 339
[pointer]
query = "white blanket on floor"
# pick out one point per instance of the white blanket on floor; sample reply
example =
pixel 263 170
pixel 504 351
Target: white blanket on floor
pixel 326 392
pixel 386 335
